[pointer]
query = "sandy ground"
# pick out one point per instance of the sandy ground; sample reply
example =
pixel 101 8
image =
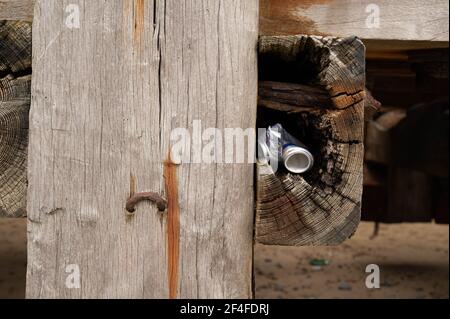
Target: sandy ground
pixel 414 263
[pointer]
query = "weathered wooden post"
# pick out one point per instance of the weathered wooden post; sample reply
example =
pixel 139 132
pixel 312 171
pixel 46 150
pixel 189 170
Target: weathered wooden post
pixel 111 80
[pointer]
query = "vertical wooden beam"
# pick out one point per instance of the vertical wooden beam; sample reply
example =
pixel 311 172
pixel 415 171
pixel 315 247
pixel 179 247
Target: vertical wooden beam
pixel 107 96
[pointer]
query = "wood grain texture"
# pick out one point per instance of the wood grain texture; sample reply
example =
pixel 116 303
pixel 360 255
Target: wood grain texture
pixel 405 24
pixel 16 10
pixel 134 71
pixel 296 97
pixel 322 207
pixel 15 81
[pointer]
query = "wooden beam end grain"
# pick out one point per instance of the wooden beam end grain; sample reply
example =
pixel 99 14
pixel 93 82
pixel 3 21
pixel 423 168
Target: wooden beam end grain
pixel 327 75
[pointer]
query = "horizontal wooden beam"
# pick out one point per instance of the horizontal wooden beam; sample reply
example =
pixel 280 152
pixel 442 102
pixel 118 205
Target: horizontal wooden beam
pixel 16 10
pixel 403 24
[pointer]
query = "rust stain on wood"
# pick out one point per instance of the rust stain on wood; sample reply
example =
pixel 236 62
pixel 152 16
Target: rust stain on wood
pixel 132 185
pixel 284 17
pixel 173 226
pixel 139 16
pixel 133 190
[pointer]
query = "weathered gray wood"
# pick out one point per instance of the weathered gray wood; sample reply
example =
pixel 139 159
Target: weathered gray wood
pixel 403 24
pixel 323 206
pixel 16 10
pixel 105 99
pixel 15 81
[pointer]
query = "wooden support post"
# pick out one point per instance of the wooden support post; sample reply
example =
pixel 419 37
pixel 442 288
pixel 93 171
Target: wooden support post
pixel 15 81
pixel 321 207
pixel 106 97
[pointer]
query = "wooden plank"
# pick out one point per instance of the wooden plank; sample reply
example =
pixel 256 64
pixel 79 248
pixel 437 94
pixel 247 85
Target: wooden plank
pixel 383 45
pixel 15 82
pixel 404 24
pixel 100 130
pixel 16 10
pixel 323 206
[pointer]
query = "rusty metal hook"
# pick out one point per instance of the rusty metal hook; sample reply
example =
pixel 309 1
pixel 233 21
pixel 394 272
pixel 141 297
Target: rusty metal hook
pixel 135 199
